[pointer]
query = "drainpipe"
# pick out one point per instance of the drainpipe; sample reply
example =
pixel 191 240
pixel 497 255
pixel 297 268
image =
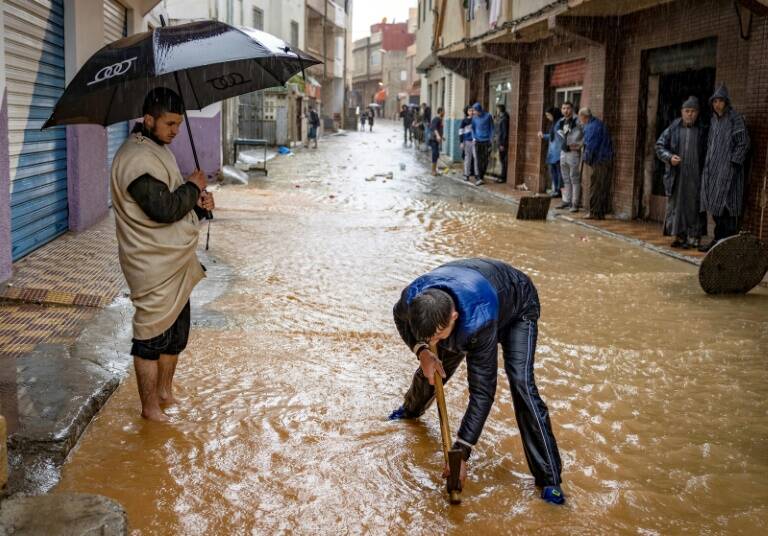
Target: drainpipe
pixel 325 45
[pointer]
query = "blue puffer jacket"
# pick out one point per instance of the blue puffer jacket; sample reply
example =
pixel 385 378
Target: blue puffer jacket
pixel 597 143
pixel 489 295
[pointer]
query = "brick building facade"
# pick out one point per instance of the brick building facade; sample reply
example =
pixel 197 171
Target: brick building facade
pixel 632 65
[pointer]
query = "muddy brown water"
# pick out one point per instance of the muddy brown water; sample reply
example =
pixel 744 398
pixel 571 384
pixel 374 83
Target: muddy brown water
pixel 658 393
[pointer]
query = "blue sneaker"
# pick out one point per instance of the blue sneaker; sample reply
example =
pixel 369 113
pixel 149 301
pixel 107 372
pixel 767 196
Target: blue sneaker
pixel 553 494
pixel 400 413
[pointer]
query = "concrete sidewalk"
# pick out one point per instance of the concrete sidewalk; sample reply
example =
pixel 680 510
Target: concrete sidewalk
pixel 65 330
pixel 50 388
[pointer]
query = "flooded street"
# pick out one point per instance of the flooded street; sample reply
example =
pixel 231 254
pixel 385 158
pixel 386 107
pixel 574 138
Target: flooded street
pixel 658 393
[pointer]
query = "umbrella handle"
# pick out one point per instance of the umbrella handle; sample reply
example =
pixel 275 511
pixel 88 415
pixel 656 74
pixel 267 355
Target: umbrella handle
pixel 208 213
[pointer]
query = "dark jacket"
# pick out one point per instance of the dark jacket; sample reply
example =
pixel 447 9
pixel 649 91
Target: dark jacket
pixel 598 148
pixel 504 129
pixel 668 144
pixel 407 117
pixel 489 295
pixel 314 118
pixel 156 199
pixel 436 127
pixel 465 130
pixel 722 180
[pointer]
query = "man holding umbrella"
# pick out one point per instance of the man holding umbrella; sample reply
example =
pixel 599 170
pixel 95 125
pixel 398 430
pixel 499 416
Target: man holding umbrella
pixel 157 223
pixel 156 213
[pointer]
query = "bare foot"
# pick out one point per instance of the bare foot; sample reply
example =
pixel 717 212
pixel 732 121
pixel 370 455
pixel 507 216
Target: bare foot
pixel 168 400
pixel 155 415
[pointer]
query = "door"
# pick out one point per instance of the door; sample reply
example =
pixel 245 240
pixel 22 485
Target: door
pixel 115 27
pixel 673 74
pixel 499 92
pixel 34 60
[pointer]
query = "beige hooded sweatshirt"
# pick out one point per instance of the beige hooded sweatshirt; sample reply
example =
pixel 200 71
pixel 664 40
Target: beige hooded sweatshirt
pixel 158 259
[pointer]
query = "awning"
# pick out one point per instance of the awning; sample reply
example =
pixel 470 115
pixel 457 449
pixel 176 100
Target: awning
pixel 313 81
pixel 426 64
pixel 380 96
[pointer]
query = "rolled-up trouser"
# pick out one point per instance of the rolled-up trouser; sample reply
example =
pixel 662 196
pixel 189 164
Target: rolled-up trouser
pixel 518 342
pixel 470 164
pixel 482 151
pixel 570 168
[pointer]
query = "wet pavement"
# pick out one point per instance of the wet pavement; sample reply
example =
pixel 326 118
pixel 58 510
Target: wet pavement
pixel 657 392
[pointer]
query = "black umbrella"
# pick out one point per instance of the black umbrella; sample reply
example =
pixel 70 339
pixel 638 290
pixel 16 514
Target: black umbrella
pixel 204 62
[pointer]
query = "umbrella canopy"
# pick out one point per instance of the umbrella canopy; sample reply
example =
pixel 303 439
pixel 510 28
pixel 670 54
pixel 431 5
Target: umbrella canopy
pixel 212 61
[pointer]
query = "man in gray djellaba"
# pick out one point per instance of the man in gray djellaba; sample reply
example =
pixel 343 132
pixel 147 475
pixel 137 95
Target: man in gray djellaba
pixel 683 148
pixel 722 181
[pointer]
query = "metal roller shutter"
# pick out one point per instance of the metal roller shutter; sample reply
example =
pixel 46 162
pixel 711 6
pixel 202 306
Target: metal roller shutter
pixel 34 59
pixel 115 27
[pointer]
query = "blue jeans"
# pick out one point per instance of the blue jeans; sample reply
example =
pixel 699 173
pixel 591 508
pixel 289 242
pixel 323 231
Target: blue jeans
pixel 557 177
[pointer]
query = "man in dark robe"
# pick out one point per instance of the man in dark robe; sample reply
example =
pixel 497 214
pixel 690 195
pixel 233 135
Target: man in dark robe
pixel 722 181
pixel 683 147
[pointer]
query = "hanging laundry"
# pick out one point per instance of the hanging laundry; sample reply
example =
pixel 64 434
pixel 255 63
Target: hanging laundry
pixel 494 11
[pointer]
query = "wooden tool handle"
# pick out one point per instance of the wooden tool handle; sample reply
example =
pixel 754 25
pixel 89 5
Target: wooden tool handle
pixel 442 410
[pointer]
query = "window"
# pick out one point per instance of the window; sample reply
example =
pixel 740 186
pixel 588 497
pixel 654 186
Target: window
pixel 376 58
pixel 294 34
pixel 419 15
pixel 572 94
pixel 403 76
pixel 258 19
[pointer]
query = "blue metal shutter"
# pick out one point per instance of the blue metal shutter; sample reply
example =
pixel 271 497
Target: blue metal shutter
pixel 115 27
pixel 34 60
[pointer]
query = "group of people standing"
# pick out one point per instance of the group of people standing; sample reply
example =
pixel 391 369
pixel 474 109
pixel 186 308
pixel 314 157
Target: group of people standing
pixel 476 135
pixel 704 171
pixel 575 142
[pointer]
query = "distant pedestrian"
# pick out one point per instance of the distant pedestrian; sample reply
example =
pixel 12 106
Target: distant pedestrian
pixel 363 119
pixel 503 141
pixel 598 154
pixel 467 144
pixel 314 124
pixel 683 148
pixel 572 136
pixel 426 117
pixel 407 118
pixel 722 182
pixel 436 133
pixel 482 133
pixel 553 150
pixel 371 115
pixel 157 213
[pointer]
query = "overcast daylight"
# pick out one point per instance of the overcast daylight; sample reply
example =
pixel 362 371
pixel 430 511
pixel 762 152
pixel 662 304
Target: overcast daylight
pixel 383 267
pixel 367 12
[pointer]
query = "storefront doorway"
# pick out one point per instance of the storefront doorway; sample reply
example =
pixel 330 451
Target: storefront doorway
pixel 673 74
pixel 499 92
